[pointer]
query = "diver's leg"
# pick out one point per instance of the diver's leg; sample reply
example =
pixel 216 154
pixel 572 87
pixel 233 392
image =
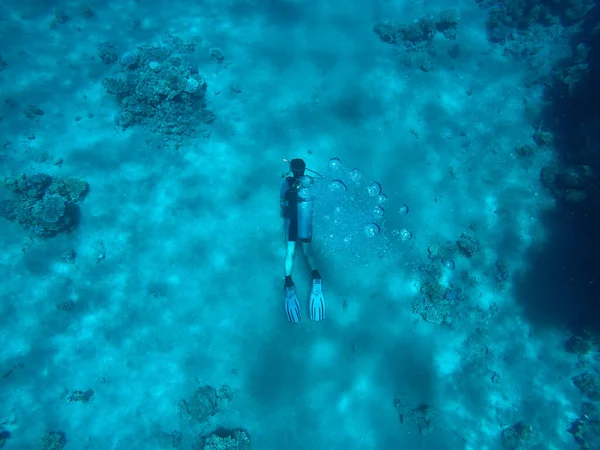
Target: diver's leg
pixel 308 254
pixel 316 302
pixel 289 258
pixel 291 236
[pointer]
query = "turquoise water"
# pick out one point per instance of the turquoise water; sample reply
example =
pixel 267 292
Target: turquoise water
pixel 142 275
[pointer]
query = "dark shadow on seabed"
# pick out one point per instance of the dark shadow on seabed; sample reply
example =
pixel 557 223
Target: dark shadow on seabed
pixel 562 286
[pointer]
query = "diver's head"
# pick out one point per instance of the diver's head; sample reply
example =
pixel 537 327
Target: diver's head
pixel 298 166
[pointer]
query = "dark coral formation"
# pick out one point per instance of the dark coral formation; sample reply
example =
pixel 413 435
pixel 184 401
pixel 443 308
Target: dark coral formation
pixel 159 86
pixel 43 204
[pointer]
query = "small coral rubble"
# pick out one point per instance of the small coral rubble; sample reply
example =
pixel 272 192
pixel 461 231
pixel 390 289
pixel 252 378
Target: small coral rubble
pixel 225 440
pixel 53 440
pixel 421 32
pixel 468 245
pixel 204 403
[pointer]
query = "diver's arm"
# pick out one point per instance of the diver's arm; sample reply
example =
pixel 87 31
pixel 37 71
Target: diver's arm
pixel 285 187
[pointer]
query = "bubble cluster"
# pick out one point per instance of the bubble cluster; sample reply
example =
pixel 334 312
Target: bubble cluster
pixel 350 218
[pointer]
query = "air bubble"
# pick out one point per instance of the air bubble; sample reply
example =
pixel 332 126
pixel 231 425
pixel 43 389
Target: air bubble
pixel 378 212
pixel 374 189
pixel 403 235
pixel 372 230
pixel 306 181
pixel 337 186
pixel 355 175
pixel 335 164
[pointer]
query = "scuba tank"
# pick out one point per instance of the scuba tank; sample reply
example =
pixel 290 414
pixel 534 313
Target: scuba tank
pixel 300 198
pixel 305 209
pixel 301 202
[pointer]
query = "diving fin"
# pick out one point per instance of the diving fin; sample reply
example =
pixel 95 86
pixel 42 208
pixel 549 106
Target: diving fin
pixel 317 301
pixel 292 305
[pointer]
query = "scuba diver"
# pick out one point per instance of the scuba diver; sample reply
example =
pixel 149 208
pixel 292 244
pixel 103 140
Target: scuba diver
pixel 296 201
